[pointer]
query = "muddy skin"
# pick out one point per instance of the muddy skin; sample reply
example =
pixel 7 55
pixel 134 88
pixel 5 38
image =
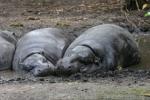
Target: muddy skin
pixel 80 56
pixel 38 51
pixel 7 43
pixel 38 65
pixel 103 47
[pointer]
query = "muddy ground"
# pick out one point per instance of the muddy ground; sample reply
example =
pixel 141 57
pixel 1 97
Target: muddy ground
pixel 73 17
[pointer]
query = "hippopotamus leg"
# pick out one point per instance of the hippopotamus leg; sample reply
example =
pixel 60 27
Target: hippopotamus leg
pixel 109 62
pixel 38 65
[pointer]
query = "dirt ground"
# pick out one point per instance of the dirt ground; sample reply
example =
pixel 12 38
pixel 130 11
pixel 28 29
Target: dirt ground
pixel 73 17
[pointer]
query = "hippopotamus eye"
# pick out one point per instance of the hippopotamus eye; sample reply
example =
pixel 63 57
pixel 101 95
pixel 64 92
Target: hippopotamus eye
pixel 27 67
pixel 44 60
pixel 69 68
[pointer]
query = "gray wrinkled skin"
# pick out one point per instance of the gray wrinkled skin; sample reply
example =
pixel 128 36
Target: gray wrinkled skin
pixel 38 51
pixel 102 47
pixel 7 49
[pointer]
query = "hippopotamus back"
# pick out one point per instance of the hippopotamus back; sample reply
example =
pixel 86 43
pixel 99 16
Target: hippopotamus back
pixel 102 35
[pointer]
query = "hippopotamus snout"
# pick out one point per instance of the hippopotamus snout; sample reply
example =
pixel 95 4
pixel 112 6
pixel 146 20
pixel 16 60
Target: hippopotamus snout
pixel 43 70
pixel 68 66
pixel 38 65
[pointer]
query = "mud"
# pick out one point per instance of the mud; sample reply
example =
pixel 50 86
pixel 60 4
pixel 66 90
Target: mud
pixel 22 17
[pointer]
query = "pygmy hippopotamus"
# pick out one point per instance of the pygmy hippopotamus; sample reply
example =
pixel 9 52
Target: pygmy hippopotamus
pixel 7 49
pixel 103 47
pixel 39 50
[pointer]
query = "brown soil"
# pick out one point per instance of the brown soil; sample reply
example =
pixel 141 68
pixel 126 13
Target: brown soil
pixel 74 17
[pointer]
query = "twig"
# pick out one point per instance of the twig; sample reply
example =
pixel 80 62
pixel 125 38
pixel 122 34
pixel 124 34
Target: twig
pixel 133 24
pixel 137 5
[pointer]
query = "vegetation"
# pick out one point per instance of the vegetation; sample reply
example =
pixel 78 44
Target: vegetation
pixel 135 4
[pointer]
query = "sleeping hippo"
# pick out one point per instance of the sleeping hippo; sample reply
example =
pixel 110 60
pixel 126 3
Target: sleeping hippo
pixel 7 49
pixel 38 51
pixel 103 47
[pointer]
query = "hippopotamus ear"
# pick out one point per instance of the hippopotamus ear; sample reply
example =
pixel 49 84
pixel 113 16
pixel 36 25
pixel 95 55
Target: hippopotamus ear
pixel 88 58
pixel 9 36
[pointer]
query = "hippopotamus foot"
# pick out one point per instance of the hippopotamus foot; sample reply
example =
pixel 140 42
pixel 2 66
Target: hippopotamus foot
pixel 38 65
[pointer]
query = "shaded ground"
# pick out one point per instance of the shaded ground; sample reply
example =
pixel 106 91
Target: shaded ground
pixel 72 91
pixel 124 85
pixel 74 17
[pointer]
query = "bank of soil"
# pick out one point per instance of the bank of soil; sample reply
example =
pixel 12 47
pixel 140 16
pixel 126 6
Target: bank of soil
pixel 74 17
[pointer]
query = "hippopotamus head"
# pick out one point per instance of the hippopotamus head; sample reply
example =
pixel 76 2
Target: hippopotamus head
pixel 75 60
pixel 38 65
